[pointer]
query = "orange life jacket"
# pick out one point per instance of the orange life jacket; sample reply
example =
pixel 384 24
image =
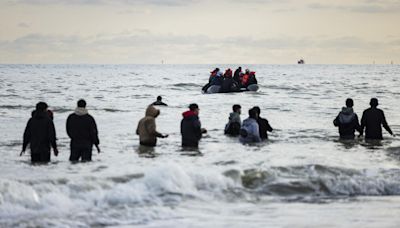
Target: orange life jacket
pixel 245 79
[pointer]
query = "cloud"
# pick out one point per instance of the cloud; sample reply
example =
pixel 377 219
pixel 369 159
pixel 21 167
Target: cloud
pixel 142 46
pixel 367 6
pixel 105 2
pixel 24 25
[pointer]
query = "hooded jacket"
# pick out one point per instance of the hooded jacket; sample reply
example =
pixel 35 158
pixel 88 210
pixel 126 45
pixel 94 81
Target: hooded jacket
pixel 347 121
pixel 264 127
pixel 234 124
pixel 82 129
pixel 146 128
pixel 190 129
pixel 373 119
pixel 250 127
pixel 40 134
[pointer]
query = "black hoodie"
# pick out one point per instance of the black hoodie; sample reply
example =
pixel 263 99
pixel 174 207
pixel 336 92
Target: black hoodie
pixel 40 134
pixel 373 119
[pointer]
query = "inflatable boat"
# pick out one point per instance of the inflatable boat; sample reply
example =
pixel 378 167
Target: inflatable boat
pixel 217 88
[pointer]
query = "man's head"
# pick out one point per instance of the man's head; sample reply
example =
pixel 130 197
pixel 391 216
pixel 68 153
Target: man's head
pixel 159 98
pixel 253 113
pixel 374 102
pixel 257 109
pixel 237 108
pixel 41 107
pixel 194 108
pixel 81 103
pixel 240 68
pixel 349 103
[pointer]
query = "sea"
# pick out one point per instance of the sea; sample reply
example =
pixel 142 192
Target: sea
pixel 303 176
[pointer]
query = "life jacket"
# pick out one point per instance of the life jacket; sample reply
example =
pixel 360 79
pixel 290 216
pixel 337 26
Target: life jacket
pixel 245 79
pixel 228 73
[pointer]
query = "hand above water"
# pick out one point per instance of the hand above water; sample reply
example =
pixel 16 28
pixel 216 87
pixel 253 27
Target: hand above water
pixel 55 152
pixel 98 149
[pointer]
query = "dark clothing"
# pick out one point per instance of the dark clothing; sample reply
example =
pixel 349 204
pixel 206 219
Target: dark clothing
pixel 264 127
pixel 82 129
pixel 236 76
pixel 40 134
pixel 190 129
pixel 217 80
pixel 347 121
pixel 40 157
pixel 228 85
pixel 252 80
pixel 81 152
pixel 159 103
pixel 372 120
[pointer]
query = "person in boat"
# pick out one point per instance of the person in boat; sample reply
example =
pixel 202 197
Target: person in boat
pixel 159 102
pixel 249 132
pixel 232 128
pixel 215 73
pixel 236 76
pixel 372 120
pixel 191 130
pixel 82 130
pixel 263 124
pixel 146 128
pixel 249 78
pixel 347 121
pixel 40 134
pixel 228 84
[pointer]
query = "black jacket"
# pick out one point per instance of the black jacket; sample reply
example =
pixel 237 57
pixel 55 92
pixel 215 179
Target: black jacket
pixel 264 127
pixel 347 121
pixel 40 134
pixel 236 76
pixel 190 129
pixel 82 130
pixel 372 120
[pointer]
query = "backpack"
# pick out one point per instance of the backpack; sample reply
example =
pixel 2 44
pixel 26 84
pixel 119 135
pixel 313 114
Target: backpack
pixel 233 129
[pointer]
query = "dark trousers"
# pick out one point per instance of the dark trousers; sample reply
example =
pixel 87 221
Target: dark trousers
pixel 42 157
pixel 81 152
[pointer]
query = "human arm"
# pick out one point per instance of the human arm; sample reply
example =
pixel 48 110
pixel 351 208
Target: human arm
pixel 385 124
pixel 26 137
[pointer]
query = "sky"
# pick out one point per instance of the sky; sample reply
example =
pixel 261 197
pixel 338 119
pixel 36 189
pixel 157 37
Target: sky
pixel 199 31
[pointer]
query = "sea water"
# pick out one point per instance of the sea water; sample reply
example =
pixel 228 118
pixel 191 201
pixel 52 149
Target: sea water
pixel 303 176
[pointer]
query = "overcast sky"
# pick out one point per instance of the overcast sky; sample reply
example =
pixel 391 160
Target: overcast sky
pixel 199 31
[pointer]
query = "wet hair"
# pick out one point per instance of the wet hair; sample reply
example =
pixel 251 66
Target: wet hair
pixel 41 106
pixel 159 98
pixel 236 107
pixel 193 107
pixel 253 113
pixel 257 109
pixel 82 103
pixel 374 102
pixel 349 103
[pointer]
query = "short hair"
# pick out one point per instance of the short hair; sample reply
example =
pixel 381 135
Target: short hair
pixel 349 103
pixel 82 103
pixel 236 107
pixel 253 113
pixel 159 98
pixel 193 107
pixel 41 106
pixel 374 102
pixel 257 109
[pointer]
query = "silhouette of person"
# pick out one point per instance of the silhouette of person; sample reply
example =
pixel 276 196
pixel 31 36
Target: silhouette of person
pixel 347 121
pixel 372 120
pixel 159 102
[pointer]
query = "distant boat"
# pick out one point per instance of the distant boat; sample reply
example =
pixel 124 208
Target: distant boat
pixel 301 61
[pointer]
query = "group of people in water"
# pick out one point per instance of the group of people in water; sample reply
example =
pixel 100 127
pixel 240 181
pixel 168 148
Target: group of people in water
pixel 231 81
pixel 81 128
pixel 372 121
